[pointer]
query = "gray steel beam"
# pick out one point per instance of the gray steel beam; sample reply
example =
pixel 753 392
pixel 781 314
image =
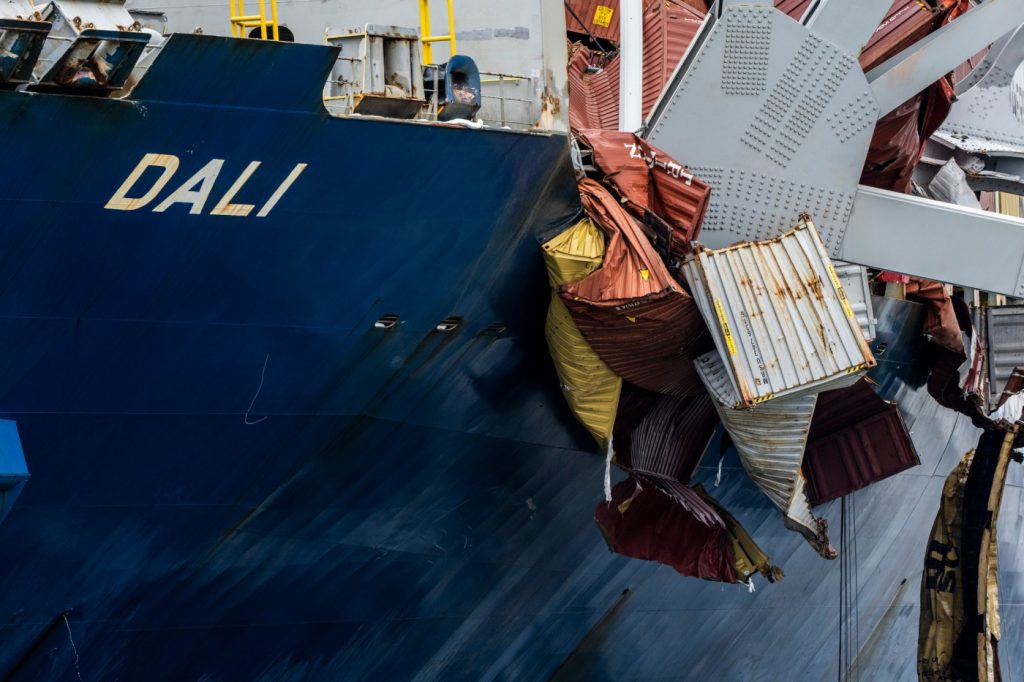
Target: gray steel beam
pixel 914 69
pixel 935 240
pixel 849 25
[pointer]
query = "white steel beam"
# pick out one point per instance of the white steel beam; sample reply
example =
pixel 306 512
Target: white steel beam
pixel 935 240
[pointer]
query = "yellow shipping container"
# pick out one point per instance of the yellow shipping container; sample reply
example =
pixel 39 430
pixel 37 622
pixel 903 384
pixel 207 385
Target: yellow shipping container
pixel 591 389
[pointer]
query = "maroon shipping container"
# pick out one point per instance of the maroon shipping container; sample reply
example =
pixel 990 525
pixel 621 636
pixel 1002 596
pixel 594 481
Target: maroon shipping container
pixel 650 179
pixel 663 435
pixel 856 439
pixel 669 523
pixel 599 18
pixel 669 28
pixel 631 311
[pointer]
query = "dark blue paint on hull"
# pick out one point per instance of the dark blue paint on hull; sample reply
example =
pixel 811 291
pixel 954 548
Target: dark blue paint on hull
pixel 234 477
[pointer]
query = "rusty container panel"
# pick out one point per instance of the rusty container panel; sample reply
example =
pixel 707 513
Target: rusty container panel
pixel 669 28
pixel 779 316
pixel 631 311
pixel 856 439
pixel 770 440
pixel 593 89
pixel 649 179
pixel 857 288
pixel 599 18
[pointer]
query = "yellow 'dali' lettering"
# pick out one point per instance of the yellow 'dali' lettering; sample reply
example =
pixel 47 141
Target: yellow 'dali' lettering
pixel 646 274
pixel 725 327
pixel 834 276
pixel 603 16
pixel 122 202
pixel 194 192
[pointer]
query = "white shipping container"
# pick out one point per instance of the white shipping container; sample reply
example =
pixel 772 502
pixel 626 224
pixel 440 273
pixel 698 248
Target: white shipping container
pixel 779 315
pixel 770 440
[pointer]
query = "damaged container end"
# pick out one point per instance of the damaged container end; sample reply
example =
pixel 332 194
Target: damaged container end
pixel 779 316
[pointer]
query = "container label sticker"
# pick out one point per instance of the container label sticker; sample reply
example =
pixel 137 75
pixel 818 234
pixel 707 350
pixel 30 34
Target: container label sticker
pixel 725 327
pixel 603 16
pixel 834 276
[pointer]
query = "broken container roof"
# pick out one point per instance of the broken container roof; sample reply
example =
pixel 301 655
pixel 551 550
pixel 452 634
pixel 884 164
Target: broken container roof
pixel 779 316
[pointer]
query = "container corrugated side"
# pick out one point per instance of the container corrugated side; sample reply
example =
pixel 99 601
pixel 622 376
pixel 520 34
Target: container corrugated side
pixel 779 316
pixel 770 440
pixel 599 18
pixel 1005 346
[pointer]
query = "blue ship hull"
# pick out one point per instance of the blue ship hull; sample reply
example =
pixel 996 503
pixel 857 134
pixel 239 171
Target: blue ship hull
pixel 236 476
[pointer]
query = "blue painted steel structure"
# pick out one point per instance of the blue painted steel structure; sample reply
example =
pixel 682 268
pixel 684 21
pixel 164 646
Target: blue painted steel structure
pixel 236 477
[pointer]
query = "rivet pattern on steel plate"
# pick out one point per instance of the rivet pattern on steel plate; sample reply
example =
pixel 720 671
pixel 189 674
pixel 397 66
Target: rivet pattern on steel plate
pixel 755 206
pixel 797 100
pixel 745 61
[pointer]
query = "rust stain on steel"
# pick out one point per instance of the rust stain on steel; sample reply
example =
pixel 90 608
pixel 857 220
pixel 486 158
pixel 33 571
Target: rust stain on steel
pixel 856 439
pixel 778 317
pixel 649 179
pixel 631 311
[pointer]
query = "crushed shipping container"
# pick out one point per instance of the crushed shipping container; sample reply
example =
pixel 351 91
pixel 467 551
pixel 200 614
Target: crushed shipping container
pixel 591 389
pixel 770 440
pixel 779 316
pixel 960 626
pixel 631 311
pixel 648 179
pixel 668 522
pixel 664 435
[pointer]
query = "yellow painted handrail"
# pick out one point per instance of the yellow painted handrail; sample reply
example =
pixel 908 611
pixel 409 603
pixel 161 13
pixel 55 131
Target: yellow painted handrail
pixel 426 38
pixel 240 21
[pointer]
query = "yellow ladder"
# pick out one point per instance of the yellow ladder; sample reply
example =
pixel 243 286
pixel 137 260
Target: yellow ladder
pixel 426 38
pixel 240 21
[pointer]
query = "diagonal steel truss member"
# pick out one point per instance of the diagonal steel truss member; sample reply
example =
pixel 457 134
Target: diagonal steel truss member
pixel 791 117
pixel 984 131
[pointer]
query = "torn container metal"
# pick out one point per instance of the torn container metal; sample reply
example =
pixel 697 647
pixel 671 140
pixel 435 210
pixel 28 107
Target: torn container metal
pixel 779 316
pixel 663 435
pixel 770 440
pixel 960 626
pixel 631 311
pixel 591 389
pixel 668 522
pixel 856 439
pixel 649 179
